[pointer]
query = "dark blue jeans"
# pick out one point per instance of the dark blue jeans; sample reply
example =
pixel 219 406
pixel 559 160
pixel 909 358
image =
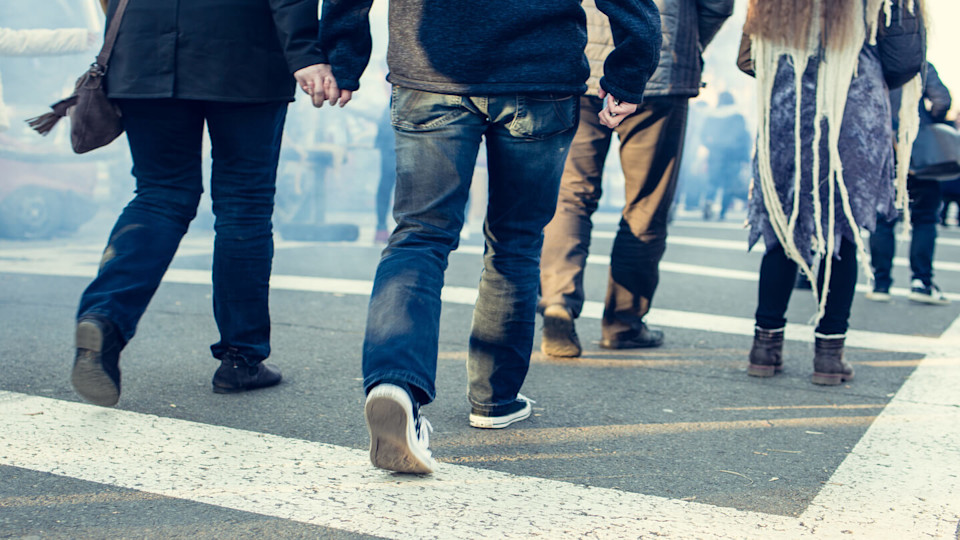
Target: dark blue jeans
pixel 924 208
pixel 165 137
pixel 438 137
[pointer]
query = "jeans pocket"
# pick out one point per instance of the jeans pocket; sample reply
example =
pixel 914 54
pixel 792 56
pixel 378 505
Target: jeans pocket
pixel 416 110
pixel 543 115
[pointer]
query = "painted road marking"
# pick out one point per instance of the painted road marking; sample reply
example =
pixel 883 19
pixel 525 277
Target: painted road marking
pixel 468 296
pixel 901 479
pixel 89 255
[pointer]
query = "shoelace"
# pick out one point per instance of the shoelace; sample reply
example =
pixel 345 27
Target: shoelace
pixel 424 428
pixel 522 397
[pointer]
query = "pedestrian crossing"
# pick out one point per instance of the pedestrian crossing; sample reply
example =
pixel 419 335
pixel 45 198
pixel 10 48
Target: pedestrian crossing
pixel 901 480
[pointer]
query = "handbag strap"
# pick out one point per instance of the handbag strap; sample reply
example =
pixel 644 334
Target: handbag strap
pixel 111 36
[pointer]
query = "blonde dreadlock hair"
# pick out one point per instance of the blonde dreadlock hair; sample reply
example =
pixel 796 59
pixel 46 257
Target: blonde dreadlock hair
pixel 836 29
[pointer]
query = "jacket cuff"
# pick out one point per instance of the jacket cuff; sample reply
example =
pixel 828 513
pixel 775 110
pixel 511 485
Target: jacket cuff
pixel 311 59
pixel 622 93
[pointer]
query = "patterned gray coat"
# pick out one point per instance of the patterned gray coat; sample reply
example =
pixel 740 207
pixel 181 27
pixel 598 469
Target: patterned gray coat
pixel 866 151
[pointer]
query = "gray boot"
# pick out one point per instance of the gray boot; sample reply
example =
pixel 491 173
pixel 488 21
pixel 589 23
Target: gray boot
pixel 766 356
pixel 829 367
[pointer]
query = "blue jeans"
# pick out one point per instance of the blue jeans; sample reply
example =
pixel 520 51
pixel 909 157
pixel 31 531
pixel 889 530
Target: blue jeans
pixel 438 137
pixel 165 137
pixel 924 214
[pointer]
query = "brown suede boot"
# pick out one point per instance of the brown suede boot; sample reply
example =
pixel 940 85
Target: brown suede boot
pixel 829 367
pixel 766 356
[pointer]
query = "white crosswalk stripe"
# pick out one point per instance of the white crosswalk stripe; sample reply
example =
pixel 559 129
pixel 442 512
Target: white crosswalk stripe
pixel 901 480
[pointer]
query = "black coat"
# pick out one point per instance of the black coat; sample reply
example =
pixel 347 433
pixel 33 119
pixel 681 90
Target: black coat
pixel 216 50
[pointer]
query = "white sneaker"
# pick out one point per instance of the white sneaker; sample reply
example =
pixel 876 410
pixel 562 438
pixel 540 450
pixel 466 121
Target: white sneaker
pixel 399 436
pixel 927 294
pixel 519 410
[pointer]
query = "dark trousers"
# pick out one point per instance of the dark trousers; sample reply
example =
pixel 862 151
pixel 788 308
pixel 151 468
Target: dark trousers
pixel 651 142
pixel 778 274
pixel 924 207
pixel 165 137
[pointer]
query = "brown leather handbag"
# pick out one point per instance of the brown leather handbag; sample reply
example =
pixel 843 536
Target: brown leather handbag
pixel 94 120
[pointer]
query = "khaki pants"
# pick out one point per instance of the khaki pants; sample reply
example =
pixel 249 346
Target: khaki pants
pixel 651 142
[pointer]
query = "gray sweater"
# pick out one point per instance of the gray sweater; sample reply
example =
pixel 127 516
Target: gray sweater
pixel 495 46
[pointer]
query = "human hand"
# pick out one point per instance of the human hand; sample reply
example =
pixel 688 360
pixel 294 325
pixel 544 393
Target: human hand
pixel 318 82
pixel 615 111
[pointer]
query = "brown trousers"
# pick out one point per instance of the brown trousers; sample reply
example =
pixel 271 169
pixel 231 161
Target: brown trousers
pixel 651 143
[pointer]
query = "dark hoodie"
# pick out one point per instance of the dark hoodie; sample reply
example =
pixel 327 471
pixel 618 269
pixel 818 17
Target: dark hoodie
pixel 468 47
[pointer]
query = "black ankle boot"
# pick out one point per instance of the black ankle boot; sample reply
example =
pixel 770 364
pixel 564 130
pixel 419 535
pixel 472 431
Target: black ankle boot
pixel 766 355
pixel 829 367
pixel 237 374
pixel 96 365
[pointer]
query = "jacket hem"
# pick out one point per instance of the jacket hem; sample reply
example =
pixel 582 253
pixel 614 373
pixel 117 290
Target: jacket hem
pixel 466 89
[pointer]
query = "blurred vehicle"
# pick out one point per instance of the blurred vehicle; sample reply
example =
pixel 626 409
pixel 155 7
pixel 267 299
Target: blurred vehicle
pixel 45 190
pixel 42 196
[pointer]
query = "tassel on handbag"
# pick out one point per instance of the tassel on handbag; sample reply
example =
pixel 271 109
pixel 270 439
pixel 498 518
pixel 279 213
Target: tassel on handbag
pixel 94 120
pixel 44 123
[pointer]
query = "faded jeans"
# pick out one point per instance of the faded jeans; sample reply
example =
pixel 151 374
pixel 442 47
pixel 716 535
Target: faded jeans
pixel 438 137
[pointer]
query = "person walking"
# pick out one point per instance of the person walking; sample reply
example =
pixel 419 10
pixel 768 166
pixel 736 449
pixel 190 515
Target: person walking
pixel 925 199
pixel 510 77
pixel 841 145
pixel 651 143
pixel 174 68
pixel 725 135
pixel 388 174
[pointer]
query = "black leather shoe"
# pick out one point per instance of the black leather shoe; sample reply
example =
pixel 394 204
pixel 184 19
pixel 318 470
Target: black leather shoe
pixel 235 374
pixel 96 366
pixel 641 338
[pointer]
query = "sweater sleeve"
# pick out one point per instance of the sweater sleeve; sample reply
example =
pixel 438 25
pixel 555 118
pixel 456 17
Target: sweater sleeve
pixel 636 33
pixel 345 38
pixel 43 42
pixel 296 23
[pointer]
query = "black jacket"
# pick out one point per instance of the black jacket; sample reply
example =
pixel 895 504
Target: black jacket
pixel 494 47
pixel 217 50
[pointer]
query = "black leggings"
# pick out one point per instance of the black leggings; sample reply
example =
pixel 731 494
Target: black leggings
pixel 778 274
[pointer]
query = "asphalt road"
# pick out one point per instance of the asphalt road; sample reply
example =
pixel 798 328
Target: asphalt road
pixel 680 428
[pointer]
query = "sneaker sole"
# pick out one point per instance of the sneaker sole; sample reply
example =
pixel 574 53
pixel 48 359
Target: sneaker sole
pixel 89 378
pixel 391 447
pixel 500 422
pixel 924 299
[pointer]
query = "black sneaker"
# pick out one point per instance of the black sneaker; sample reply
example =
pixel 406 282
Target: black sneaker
pixel 927 294
pixel 399 436
pixel 503 416
pixel 96 366
pixel 236 374
pixel 641 338
pixel 559 336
